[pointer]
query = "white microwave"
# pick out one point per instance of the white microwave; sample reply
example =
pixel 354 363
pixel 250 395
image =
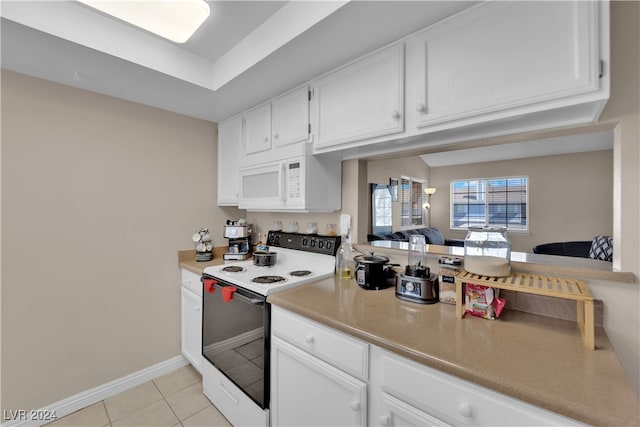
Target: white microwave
pixel 300 184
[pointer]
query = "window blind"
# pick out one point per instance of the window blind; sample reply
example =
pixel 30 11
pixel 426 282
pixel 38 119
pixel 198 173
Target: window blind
pixel 496 202
pixel 411 202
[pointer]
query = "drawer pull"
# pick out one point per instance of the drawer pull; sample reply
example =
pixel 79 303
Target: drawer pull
pixel 309 339
pixel 355 405
pixel 384 420
pixel 395 114
pixel 465 410
pixel 421 108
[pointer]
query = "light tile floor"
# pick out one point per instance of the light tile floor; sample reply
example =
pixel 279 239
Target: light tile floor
pixel 175 399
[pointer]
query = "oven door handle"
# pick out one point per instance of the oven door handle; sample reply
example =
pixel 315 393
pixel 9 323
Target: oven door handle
pixel 254 301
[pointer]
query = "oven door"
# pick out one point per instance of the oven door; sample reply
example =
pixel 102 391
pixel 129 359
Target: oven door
pixel 235 336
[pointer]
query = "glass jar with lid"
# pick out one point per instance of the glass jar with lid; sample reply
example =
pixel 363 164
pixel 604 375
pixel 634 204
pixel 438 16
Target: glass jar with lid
pixel 487 251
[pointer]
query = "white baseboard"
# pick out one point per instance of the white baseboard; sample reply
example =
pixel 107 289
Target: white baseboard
pixel 89 397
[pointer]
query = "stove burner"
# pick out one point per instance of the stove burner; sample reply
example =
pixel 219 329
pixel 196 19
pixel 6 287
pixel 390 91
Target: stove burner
pixel 233 269
pixel 300 273
pixel 268 279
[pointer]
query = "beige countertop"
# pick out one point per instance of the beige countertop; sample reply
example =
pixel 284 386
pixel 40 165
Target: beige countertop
pixel 187 259
pixel 537 359
pixel 582 268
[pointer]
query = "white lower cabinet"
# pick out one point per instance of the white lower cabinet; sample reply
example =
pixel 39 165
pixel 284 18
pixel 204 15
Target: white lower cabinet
pixel 308 391
pixel 405 392
pixel 309 382
pixel 321 376
pixel 191 318
pixel 394 412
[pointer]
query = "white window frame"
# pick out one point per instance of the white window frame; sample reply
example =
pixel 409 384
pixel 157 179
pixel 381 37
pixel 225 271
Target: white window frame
pixel 485 194
pixel 422 183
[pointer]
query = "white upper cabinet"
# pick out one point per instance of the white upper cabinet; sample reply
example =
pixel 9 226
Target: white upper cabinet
pixel 363 100
pixel 229 152
pixel 277 130
pixel 290 117
pixel 257 129
pixel 506 59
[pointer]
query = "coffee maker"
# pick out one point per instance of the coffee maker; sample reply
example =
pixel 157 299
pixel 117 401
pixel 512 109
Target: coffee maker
pixel 238 234
pixel 417 284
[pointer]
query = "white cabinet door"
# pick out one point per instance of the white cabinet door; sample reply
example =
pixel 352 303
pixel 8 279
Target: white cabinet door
pixel 504 59
pixel 229 151
pixel 395 412
pixel 306 391
pixel 452 399
pixel 257 129
pixel 362 100
pixel 290 117
pixel 192 328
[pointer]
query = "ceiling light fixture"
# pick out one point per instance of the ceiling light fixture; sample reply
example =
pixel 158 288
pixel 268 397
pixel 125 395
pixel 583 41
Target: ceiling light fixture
pixel 175 20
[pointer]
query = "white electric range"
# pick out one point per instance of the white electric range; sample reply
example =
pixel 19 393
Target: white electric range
pixel 236 320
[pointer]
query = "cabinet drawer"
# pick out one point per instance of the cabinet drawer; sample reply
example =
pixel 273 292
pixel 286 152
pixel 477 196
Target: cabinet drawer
pixel 230 400
pixel 457 401
pixel 191 281
pixel 336 348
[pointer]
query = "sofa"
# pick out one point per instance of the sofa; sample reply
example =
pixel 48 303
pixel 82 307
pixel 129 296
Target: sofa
pixel 600 247
pixel 433 236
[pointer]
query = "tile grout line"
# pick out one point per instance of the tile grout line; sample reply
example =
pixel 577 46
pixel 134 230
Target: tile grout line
pixel 167 402
pixel 139 409
pixel 104 405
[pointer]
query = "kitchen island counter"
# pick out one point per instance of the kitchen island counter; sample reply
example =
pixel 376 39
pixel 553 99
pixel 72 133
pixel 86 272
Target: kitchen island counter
pixel 537 359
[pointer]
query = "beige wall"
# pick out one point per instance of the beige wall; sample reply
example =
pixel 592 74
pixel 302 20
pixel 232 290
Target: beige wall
pixel 98 194
pixel 623 109
pixel 570 196
pixel 622 318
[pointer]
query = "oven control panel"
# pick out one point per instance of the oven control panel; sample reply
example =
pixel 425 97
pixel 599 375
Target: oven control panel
pixel 326 245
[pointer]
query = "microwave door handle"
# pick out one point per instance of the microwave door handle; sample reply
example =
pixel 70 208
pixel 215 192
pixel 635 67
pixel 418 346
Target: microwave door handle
pixel 283 183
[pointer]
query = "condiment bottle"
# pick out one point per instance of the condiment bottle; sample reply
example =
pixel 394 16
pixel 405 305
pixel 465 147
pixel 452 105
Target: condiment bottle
pixel 344 260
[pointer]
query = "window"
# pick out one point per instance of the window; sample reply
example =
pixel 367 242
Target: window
pixel 382 210
pixel 495 202
pixel 411 202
